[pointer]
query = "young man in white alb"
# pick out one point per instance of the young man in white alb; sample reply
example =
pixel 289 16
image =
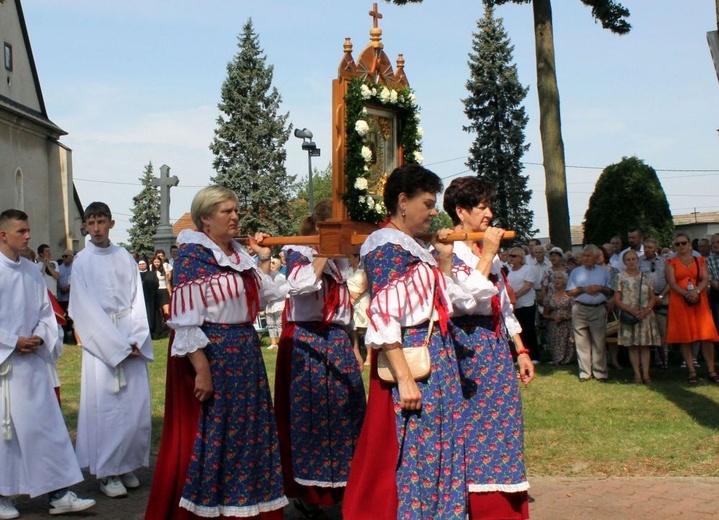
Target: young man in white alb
pixel 36 454
pixel 108 307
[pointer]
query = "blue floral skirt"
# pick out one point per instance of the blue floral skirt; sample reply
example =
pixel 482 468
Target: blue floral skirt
pixel 327 405
pixel 235 469
pixel 430 466
pixel 493 417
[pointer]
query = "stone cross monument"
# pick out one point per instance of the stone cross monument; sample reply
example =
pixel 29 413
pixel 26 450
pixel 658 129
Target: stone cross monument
pixel 164 238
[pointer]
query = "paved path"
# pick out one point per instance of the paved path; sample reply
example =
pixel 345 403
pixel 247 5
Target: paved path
pixel 553 498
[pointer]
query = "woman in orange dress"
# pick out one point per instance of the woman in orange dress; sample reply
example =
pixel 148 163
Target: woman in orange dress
pixel 690 318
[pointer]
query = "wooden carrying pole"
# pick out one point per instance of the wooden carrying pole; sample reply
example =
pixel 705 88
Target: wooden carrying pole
pixel 334 243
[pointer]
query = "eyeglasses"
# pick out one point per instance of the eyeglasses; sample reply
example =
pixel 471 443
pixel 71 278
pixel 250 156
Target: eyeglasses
pixel 682 243
pixel 513 256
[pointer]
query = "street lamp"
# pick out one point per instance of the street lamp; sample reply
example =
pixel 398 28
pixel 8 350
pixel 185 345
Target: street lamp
pixel 312 151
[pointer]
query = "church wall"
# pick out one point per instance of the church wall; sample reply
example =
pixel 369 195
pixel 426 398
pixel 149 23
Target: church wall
pixel 27 151
pixel 64 219
pixel 18 84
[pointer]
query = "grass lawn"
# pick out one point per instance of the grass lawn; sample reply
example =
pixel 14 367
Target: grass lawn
pixel 571 429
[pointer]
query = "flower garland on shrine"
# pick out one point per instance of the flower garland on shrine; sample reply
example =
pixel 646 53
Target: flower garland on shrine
pixel 361 205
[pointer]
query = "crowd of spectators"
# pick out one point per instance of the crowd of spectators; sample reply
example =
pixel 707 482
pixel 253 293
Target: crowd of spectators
pixel 608 306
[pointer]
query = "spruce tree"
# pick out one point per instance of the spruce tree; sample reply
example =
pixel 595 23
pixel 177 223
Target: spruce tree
pixel 249 140
pixel 145 214
pixel 628 195
pixel 497 118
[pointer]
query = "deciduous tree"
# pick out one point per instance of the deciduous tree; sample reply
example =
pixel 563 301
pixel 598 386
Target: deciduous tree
pixel 321 189
pixel 628 195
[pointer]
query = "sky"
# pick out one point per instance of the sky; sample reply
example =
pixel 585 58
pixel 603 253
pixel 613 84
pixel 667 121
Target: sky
pixel 136 81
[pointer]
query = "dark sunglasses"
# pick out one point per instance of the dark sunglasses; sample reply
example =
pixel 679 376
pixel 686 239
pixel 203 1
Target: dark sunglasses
pixel 682 243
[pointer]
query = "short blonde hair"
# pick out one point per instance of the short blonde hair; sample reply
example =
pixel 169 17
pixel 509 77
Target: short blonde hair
pixel 205 202
pixel 519 252
pixel 560 275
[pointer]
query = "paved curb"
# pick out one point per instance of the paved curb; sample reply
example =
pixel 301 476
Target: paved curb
pixel 553 498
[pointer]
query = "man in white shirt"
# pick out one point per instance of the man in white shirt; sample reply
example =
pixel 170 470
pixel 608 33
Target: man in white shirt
pixel 107 304
pixel 635 237
pixel 615 259
pixel 36 454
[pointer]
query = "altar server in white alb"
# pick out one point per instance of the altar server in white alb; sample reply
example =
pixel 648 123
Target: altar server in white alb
pixel 36 454
pixel 108 307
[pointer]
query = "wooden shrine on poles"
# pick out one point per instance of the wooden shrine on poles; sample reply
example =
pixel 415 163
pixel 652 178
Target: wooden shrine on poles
pixel 374 130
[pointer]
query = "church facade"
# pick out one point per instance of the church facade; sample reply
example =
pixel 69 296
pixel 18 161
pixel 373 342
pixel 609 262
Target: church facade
pixel 35 167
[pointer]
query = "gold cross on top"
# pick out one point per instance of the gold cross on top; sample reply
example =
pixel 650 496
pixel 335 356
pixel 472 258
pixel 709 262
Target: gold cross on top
pixel 375 14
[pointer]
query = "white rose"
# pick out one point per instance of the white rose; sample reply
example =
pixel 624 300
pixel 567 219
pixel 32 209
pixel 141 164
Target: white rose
pixel 370 202
pixel 379 208
pixel 364 111
pixel 365 92
pixel 361 199
pixel 393 96
pixel 374 91
pixel 420 132
pixel 418 157
pixel 384 95
pixel 366 154
pixel 361 183
pixel 361 127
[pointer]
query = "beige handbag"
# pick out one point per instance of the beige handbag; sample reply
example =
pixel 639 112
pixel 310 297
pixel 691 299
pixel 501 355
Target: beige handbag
pixel 420 365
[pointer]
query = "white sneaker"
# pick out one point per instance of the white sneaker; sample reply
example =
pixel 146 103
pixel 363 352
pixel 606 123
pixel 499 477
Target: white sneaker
pixel 113 488
pixel 7 508
pixel 70 503
pixel 130 480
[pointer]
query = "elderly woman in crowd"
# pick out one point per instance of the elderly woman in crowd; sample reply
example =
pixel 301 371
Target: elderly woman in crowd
pixel 410 458
pixel 634 294
pixel 494 447
pixel 319 393
pixel 690 318
pixel 274 309
pixel 556 258
pixel 219 454
pixel 521 279
pixel 558 315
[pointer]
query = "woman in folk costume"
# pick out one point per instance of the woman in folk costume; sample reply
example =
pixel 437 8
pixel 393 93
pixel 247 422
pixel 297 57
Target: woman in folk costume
pixel 410 459
pixel 496 478
pixel 219 454
pixel 319 394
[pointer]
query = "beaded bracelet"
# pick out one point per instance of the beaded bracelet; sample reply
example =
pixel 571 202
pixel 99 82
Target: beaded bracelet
pixel 522 351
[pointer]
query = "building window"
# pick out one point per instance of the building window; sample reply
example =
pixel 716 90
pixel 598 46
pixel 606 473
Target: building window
pixel 8 56
pixel 19 192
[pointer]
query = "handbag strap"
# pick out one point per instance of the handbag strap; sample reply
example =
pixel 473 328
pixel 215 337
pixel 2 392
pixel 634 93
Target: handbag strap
pixel 641 277
pixel 431 316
